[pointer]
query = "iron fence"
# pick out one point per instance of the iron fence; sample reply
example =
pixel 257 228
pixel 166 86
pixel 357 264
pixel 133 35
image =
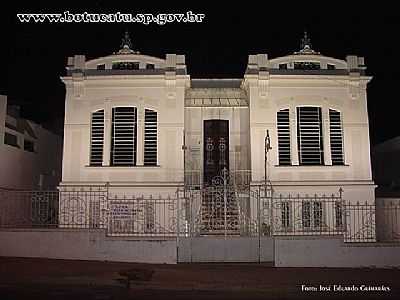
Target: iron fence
pixel 360 222
pixel 308 215
pixel 146 216
pixel 193 178
pixel 234 210
pixel 83 206
pixel 24 209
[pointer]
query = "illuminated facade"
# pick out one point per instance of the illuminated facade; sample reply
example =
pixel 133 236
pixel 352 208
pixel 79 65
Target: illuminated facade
pixel 137 120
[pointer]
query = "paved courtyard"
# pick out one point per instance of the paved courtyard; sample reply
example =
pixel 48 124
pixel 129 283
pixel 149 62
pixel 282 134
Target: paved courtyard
pixel 31 278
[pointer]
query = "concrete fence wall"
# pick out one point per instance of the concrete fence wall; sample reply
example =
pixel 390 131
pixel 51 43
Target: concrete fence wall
pixel 332 252
pixel 233 249
pixel 316 251
pixel 84 245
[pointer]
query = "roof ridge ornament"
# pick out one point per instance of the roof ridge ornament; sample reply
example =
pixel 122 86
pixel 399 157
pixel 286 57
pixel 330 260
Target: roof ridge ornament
pixel 305 46
pixel 126 45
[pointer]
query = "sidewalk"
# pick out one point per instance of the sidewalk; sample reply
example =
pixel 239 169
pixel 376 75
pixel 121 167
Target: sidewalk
pixel 30 278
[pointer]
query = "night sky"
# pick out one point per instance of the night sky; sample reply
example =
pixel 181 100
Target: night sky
pixel 36 54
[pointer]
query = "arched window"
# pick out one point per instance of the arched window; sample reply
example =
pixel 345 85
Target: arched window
pixel 150 137
pixel 123 136
pixel 97 138
pixel 336 137
pixel 283 137
pixel 309 136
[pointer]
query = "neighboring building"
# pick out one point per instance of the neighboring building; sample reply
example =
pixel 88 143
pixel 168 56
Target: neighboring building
pixel 142 124
pixel 386 174
pixel 386 167
pixel 30 156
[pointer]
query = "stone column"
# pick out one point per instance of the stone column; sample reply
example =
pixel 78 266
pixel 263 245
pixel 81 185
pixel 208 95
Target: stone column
pixel 107 132
pixel 140 135
pixel 326 135
pixel 293 136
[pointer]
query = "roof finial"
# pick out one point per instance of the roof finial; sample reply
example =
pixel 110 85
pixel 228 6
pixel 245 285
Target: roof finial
pixel 126 45
pixel 305 46
pixel 126 42
pixel 305 42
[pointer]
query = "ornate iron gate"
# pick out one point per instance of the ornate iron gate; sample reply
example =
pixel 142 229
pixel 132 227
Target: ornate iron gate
pixel 224 213
pixel 224 218
pixel 222 208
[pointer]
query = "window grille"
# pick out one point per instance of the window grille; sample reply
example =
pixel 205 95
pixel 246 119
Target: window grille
pixel 150 66
pixel 339 215
pixel 309 136
pixel 307 65
pixel 285 214
pixel 123 136
pixel 336 137
pixel 317 214
pixel 150 216
pixel 306 214
pixel 125 65
pixel 97 138
pixel 312 214
pixel 150 137
pixel 282 66
pixel 283 137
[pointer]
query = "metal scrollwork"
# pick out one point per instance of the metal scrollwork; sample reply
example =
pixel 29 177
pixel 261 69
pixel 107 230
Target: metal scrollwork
pixel 219 209
pixel 209 149
pixel 222 148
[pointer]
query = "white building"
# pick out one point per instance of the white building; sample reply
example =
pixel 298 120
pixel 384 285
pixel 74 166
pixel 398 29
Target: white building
pixel 143 122
pixel 30 156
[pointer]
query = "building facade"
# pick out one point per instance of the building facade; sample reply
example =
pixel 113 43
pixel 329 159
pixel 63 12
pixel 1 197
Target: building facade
pixel 297 124
pixel 138 119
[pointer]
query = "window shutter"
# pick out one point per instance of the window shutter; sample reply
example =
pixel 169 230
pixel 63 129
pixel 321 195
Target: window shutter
pixel 283 137
pixel 123 136
pixel 336 137
pixel 150 137
pixel 309 136
pixel 97 138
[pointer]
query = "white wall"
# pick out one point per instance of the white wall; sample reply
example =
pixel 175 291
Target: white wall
pixel 347 93
pixel 84 245
pixel 317 251
pixel 332 252
pixel 163 93
pixel 290 93
pixel 233 249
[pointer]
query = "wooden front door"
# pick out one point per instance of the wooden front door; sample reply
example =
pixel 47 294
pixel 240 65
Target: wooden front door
pixel 216 148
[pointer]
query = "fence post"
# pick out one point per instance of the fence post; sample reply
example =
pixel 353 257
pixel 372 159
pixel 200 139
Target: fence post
pixel 259 224
pixel 107 209
pixel 225 204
